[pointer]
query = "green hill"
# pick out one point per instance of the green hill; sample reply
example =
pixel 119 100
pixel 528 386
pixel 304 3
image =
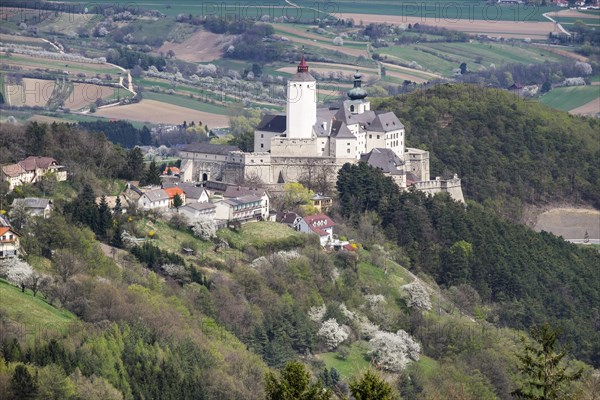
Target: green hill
pixel 508 151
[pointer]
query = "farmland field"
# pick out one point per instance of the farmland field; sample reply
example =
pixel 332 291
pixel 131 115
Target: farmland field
pixel 202 46
pixel 442 58
pixel 568 98
pixel 157 112
pixel 30 93
pixel 84 93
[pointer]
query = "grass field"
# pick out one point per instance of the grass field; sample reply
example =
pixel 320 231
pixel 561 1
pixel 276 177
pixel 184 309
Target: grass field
pixel 568 98
pixel 260 234
pixel 442 58
pixel 187 102
pixel 356 362
pixel 33 314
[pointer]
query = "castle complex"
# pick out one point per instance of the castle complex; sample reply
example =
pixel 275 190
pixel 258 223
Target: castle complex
pixel 309 143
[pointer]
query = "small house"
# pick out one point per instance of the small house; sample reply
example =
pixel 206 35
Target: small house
pixel 319 224
pixel 36 207
pixel 9 242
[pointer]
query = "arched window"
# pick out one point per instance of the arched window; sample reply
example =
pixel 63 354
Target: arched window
pixel 352 108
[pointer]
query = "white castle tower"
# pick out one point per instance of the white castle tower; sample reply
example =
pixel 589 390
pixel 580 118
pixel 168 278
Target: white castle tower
pixel 301 107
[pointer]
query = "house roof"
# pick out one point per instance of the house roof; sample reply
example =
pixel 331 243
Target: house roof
pixel 156 195
pixel 385 122
pixel 32 202
pixel 340 130
pixel 242 200
pixel 173 191
pixel 191 191
pixel 272 123
pixel 384 159
pixel 4 229
pixel 31 163
pixel 199 206
pixel 318 223
pixel 286 217
pixel 210 148
pixel 174 170
pixel 12 170
pixel 237 191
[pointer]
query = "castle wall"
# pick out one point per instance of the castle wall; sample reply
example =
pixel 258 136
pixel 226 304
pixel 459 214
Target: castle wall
pixel 417 162
pixel 262 140
pixel 451 186
pixel 293 147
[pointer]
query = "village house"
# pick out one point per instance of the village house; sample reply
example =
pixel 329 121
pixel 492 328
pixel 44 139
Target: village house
pixel 322 203
pixel 288 218
pixel 34 206
pixel 242 209
pixel 172 192
pixel 319 224
pixel 31 170
pixel 9 242
pixel 193 211
pixel 240 191
pixel 171 170
pixel 156 199
pixel 193 193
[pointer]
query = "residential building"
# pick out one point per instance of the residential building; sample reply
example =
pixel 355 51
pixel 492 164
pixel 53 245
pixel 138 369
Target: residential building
pixel 242 209
pixel 193 211
pixel 322 203
pixel 236 191
pixel 319 224
pixel 156 199
pixel 175 191
pixel 36 207
pixel 9 242
pixel 31 170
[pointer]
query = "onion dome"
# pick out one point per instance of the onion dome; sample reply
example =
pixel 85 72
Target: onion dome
pixel 357 92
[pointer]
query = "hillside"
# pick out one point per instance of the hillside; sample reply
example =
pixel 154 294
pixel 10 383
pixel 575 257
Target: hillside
pixel 507 150
pixel 434 280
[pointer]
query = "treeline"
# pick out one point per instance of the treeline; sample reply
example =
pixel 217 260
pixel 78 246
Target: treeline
pixel 528 74
pixel 530 277
pixel 508 151
pixel 252 45
pixel 120 132
pixel 129 58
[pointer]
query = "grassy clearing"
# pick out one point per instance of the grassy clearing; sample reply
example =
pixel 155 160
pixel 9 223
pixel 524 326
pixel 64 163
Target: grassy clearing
pixel 568 98
pixel 264 235
pixel 187 103
pixel 356 362
pixel 34 314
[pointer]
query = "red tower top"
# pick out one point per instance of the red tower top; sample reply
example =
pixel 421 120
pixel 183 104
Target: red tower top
pixel 303 66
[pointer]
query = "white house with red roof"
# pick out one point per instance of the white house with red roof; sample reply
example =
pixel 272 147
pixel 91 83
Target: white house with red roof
pixel 9 242
pixel 320 224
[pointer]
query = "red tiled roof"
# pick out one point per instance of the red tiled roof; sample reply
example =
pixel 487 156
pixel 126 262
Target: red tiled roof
pixel 4 229
pixel 174 170
pixel 172 191
pixel 13 170
pixel 318 223
pixel 33 162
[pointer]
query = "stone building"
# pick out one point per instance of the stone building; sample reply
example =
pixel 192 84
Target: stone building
pixel 309 143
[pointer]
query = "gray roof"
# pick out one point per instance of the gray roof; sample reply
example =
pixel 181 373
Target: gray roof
pixel 242 200
pixel 302 77
pixel 32 202
pixel 210 148
pixel 340 130
pixel 191 191
pixel 345 115
pixel 385 122
pixel 384 159
pixel 272 123
pixel 199 206
pixel 238 191
pixel 157 195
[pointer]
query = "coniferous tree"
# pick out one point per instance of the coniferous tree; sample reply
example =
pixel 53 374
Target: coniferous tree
pixel 544 374
pixel 135 164
pixel 84 209
pixel 22 384
pixel 177 201
pixel 294 384
pixel 152 176
pixel 118 208
pixel 104 218
pixel 371 387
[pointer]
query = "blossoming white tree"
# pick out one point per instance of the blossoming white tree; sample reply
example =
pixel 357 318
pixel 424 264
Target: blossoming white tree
pixel 16 271
pixel 333 333
pixel 317 313
pixel 418 296
pixel 393 351
pixel 204 228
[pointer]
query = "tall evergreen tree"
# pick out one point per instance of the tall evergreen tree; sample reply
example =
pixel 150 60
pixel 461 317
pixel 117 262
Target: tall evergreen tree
pixel 135 164
pixel 22 384
pixel 371 387
pixel 118 208
pixel 104 221
pixel 152 176
pixel 294 384
pixel 544 374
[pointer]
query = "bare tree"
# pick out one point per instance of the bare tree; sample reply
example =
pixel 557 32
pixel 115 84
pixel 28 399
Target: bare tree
pixel 66 263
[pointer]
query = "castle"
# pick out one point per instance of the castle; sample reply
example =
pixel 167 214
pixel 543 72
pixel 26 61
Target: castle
pixel 309 144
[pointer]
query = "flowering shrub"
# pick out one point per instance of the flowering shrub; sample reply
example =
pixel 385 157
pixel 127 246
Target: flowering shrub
pixel 393 351
pixel 418 296
pixel 333 333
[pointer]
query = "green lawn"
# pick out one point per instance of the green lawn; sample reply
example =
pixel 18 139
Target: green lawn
pixel 263 235
pixel 568 98
pixel 356 362
pixel 33 314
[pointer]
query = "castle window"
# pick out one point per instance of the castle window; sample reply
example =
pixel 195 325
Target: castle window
pixel 348 151
pixel 262 145
pixel 262 136
pixel 352 108
pixel 370 136
pixel 322 148
pixel 377 136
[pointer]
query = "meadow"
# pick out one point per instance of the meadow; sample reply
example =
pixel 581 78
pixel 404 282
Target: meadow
pixel 568 98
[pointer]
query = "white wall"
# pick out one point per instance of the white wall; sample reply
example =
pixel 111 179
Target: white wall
pixel 301 109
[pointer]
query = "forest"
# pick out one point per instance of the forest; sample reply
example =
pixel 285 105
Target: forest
pixel 508 151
